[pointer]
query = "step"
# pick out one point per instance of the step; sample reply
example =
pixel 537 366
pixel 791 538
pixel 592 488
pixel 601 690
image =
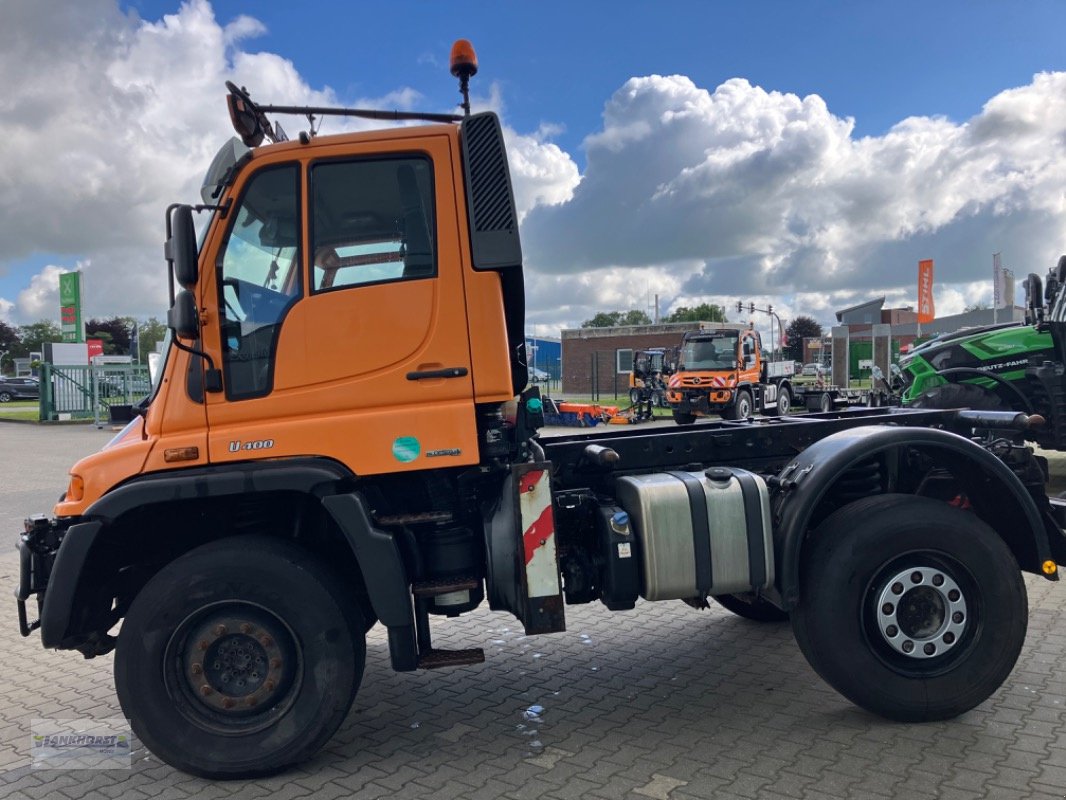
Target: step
pixel 435 659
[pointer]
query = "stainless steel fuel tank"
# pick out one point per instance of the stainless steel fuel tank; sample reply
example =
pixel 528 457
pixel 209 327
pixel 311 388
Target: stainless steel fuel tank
pixel 700 533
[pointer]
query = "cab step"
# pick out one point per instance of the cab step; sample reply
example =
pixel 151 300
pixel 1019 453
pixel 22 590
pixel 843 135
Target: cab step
pixel 435 659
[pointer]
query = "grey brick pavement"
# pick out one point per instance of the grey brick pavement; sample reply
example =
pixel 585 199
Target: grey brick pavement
pixel 660 702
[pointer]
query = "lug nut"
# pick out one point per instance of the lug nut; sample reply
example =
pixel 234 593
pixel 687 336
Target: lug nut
pixel 266 641
pixel 203 644
pixel 246 628
pixel 219 629
pixel 269 686
pixel 252 700
pixel 275 663
pixel 228 703
pixel 196 669
pixel 205 690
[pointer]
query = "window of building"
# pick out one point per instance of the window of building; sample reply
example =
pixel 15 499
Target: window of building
pixel 372 222
pixel 623 360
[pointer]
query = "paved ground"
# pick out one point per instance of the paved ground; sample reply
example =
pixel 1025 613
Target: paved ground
pixel 661 702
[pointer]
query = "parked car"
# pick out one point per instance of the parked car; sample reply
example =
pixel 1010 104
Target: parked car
pixel 811 369
pixel 538 375
pixel 19 389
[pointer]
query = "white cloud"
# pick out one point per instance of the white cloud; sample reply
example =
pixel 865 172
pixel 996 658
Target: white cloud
pixel 42 295
pixel 762 194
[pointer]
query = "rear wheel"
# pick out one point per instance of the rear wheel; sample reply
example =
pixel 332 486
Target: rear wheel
pixel 5 397
pixel 751 607
pixel 239 659
pixel 784 401
pixel 825 403
pixel 910 608
pixel 682 418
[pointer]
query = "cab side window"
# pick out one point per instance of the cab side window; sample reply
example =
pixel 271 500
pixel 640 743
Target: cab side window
pixel 259 279
pixel 372 222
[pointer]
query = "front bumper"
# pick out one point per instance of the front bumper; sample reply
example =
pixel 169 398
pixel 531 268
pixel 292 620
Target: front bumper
pixel 37 547
pixel 711 401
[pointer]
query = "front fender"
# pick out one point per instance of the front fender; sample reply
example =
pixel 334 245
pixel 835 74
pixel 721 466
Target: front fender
pixel 812 474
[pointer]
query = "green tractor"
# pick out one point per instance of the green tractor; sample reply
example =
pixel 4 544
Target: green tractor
pixel 1013 366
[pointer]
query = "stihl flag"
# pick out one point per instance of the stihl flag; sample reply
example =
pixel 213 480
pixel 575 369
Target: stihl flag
pixel 926 311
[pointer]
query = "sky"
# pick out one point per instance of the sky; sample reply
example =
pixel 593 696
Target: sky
pixel 804 154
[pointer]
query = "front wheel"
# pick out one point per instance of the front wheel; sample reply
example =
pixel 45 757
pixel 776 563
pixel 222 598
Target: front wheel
pixel 239 659
pixel 681 418
pixel 634 396
pixel 742 406
pixel 910 608
pixel 5 397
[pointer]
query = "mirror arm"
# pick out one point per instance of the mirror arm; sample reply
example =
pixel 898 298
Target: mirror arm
pixel 213 376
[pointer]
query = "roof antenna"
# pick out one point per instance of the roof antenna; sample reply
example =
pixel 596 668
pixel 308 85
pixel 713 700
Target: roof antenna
pixel 464 67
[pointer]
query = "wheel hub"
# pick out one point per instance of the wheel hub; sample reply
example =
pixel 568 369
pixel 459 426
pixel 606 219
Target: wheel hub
pixel 921 612
pixel 236 665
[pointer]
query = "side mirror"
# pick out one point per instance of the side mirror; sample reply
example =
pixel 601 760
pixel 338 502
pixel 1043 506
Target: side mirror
pixel 181 247
pixel 183 318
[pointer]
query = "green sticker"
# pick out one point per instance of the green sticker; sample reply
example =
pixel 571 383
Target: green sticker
pixel 406 449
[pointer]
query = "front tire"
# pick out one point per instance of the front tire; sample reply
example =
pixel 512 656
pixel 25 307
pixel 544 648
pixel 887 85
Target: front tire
pixel 5 397
pixel 681 418
pixel 742 406
pixel 910 608
pixel 961 395
pixel 239 659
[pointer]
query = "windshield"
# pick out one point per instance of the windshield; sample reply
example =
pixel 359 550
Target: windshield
pixel 711 352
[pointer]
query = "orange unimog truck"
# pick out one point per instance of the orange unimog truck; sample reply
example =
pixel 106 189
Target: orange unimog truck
pixel 341 436
pixel 722 370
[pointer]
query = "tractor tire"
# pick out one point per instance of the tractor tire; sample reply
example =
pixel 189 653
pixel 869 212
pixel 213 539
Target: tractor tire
pixel 910 608
pixel 682 418
pixel 240 658
pixel 634 396
pixel 961 395
pixel 751 607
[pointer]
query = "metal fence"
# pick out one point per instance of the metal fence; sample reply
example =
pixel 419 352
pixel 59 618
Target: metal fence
pixel 100 393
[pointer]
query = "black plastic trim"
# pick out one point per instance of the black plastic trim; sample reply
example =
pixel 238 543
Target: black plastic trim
pixel 64 579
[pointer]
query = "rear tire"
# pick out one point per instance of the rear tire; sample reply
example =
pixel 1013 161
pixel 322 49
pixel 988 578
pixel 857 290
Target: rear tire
pixel 682 418
pixel 784 402
pixel 910 608
pixel 751 607
pixel 240 658
pixel 5 397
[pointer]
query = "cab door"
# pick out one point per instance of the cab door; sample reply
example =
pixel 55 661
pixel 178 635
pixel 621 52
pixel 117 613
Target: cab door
pixel 341 318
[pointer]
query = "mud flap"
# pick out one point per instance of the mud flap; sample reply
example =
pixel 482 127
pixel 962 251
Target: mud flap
pixel 523 558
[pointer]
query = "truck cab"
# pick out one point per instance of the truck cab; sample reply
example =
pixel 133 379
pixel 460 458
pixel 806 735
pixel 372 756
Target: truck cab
pixel 723 370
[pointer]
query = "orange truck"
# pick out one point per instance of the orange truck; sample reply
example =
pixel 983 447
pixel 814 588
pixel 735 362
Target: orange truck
pixel 341 436
pixel 723 370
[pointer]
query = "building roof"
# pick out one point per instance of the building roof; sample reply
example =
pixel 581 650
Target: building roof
pixel 874 305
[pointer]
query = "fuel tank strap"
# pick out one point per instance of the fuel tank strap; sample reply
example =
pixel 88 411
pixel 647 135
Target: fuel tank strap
pixel 701 530
pixel 753 514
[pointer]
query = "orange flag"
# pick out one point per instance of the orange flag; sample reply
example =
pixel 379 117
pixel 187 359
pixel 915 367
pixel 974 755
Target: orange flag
pixel 926 311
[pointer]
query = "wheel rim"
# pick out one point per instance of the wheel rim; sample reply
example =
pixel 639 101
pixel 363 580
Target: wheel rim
pixel 784 402
pixel 743 406
pixel 234 666
pixel 827 403
pixel 921 613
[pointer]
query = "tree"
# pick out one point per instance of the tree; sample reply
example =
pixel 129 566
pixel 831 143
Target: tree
pixel 9 343
pixel 149 334
pixel 799 329
pixel 612 319
pixel 35 334
pixel 704 312
pixel 115 331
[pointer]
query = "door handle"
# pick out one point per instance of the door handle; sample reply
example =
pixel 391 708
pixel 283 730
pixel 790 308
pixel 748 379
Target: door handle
pixel 446 372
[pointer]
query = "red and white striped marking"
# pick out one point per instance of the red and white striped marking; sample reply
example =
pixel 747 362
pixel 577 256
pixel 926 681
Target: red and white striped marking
pixel 538 533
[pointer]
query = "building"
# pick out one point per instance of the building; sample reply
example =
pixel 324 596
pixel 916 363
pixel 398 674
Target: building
pixel 545 353
pixel 599 360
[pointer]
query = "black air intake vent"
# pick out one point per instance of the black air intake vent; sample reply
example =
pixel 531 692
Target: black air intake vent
pixel 490 199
